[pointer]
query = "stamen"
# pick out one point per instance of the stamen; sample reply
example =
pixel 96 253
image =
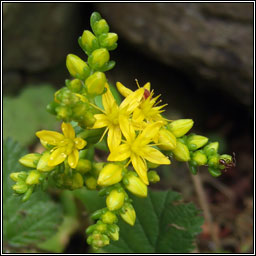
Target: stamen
pixel 137 82
pixel 98 108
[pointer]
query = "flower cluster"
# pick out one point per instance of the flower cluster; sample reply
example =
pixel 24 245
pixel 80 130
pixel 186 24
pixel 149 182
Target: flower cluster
pixel 137 135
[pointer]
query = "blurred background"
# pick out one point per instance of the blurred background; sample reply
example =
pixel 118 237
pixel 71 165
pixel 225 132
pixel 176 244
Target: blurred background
pixel 198 56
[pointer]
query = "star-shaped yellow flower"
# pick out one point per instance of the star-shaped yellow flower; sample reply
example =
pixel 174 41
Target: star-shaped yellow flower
pixel 112 114
pixel 138 148
pixel 66 145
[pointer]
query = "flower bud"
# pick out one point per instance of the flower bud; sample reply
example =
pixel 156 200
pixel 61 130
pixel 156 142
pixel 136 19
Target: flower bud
pixel 214 172
pixel 77 67
pixel 135 185
pixel 75 85
pixel 98 58
pixel 27 194
pixel 88 41
pixel 77 181
pixel 180 127
pixel 128 214
pixel 108 40
pixel 181 152
pixel 110 174
pixel 166 140
pixel 96 83
pixel 153 177
pixel 99 240
pixel 211 148
pixel 101 227
pixel 33 177
pixel 15 176
pixel 30 160
pixel 84 166
pixel 199 157
pixel 91 183
pixel 114 234
pixel 42 165
pixel 20 187
pixel 100 27
pixel 63 112
pixel 115 200
pixel 109 217
pixel 213 160
pixel 195 142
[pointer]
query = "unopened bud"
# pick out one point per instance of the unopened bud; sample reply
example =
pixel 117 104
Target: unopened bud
pixel 128 214
pixel 108 40
pixel 110 174
pixel 211 148
pixel 77 67
pixel 88 41
pixel 114 234
pixel 213 160
pixel 42 165
pixel 27 194
pixel 180 127
pixel 214 172
pixel 100 27
pixel 181 152
pixel 98 58
pixel 109 217
pixel 20 187
pixel 84 166
pixel 153 177
pixel 195 142
pixel 33 177
pixel 30 160
pixel 135 185
pixel 166 140
pixel 63 112
pixel 199 157
pixel 91 182
pixel 75 85
pixel 115 200
pixel 15 176
pixel 77 181
pixel 96 83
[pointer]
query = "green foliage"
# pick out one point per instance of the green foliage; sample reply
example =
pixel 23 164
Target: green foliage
pixel 163 225
pixel 30 222
pixel 27 110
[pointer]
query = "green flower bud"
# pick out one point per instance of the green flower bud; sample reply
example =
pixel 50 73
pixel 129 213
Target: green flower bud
pixel 115 200
pixel 199 157
pixel 214 172
pixel 20 187
pixel 128 214
pixel 100 27
pixel 88 41
pixel 91 183
pixel 88 120
pixel 77 67
pixel 97 214
pixel 77 181
pixel 101 227
pixel 135 185
pixel 79 110
pixel 211 148
pixel 180 127
pixel 63 112
pixel 75 85
pixel 152 165
pixel 166 140
pixel 99 240
pixel 96 83
pixel 226 157
pixel 84 166
pixel 15 176
pixel 98 58
pixel 114 235
pixel 110 174
pixel 153 177
pixel 28 194
pixel 108 40
pixel 213 160
pixel 30 160
pixel 33 177
pixel 195 142
pixel 181 152
pixel 193 167
pixel 42 165
pixel 109 218
pixel 97 167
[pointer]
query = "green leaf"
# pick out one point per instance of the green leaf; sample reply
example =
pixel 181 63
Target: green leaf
pixel 30 222
pixel 25 114
pixel 163 225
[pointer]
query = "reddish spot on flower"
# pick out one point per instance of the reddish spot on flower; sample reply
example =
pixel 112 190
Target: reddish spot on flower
pixel 146 94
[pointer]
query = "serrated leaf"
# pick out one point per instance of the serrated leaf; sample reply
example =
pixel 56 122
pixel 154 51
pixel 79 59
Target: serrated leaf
pixel 25 114
pixel 163 225
pixel 30 222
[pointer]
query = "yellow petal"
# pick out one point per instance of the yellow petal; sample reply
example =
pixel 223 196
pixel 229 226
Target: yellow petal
pixel 140 167
pixel 50 137
pixel 138 115
pixel 108 100
pixel 147 86
pixel 68 130
pixel 80 143
pixel 123 90
pixel 149 132
pixel 114 137
pixel 73 158
pixel 57 156
pixel 132 101
pixel 120 153
pixel 126 128
pixel 101 121
pixel 153 155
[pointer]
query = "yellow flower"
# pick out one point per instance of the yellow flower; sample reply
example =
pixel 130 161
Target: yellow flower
pixel 66 145
pixel 138 149
pixel 112 114
pixel 147 109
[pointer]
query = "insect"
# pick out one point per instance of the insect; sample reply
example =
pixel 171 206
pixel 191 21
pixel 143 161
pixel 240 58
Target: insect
pixel 229 163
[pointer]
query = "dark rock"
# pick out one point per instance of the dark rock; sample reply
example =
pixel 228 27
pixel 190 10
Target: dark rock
pixel 210 42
